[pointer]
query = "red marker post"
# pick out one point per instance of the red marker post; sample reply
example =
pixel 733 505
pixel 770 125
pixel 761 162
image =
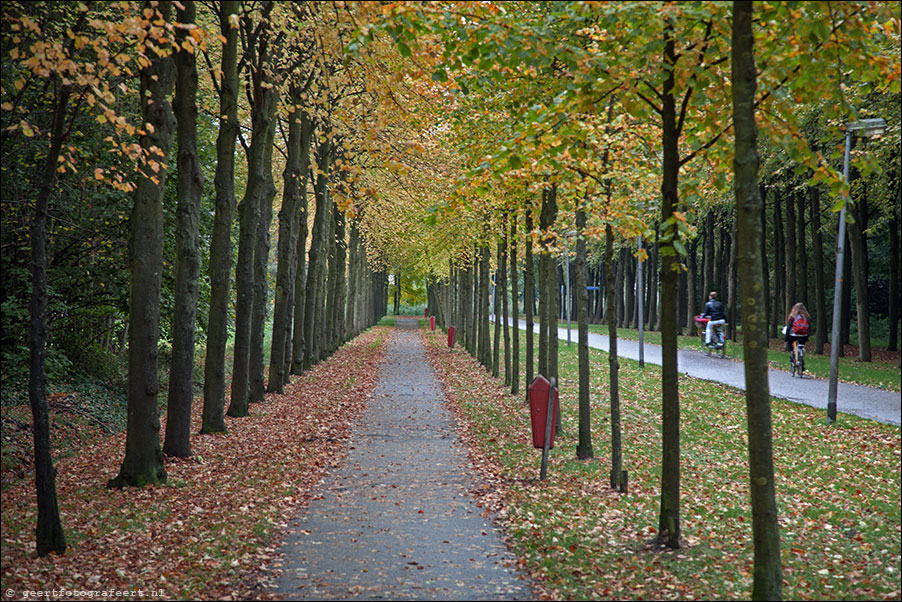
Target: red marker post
pixel 543 401
pixel 432 323
pixel 452 335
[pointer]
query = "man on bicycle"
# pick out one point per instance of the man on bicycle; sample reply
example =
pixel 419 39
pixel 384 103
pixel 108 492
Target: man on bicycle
pixel 716 314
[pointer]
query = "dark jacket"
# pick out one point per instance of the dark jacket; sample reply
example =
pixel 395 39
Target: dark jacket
pixel 714 310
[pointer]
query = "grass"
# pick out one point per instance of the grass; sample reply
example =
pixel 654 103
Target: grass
pixel 880 373
pixel 837 490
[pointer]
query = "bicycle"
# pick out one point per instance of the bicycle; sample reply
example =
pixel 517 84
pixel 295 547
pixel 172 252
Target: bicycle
pixel 718 340
pixel 797 358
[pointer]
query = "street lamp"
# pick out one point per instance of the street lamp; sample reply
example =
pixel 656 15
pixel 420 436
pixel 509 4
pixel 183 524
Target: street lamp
pixel 866 128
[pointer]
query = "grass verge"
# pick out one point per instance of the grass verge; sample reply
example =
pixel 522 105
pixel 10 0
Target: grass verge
pixel 882 373
pixel 837 488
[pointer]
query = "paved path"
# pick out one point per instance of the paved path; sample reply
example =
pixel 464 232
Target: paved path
pixel 866 402
pixel 396 521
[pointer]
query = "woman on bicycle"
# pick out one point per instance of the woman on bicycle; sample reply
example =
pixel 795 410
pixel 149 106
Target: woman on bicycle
pixel 798 325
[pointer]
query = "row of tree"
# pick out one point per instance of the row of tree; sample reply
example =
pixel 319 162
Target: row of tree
pixel 569 119
pixel 277 82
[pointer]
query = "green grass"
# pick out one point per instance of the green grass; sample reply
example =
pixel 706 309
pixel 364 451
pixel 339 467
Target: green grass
pixel 837 491
pixel 880 374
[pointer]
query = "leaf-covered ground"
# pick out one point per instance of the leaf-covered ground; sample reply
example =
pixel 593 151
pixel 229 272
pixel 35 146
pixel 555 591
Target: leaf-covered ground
pixel 838 490
pixel 207 533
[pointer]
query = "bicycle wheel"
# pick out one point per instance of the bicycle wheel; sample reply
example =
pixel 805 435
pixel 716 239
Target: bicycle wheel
pixel 801 361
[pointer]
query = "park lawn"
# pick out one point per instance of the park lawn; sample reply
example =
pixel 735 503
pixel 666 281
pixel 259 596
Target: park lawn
pixel 837 490
pixel 208 532
pixel 882 373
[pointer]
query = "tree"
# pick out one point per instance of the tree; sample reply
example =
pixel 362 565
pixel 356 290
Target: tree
pixel 768 579
pixel 143 463
pixel 187 268
pixel 221 242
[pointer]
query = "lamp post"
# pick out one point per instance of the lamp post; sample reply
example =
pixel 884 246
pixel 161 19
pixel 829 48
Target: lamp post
pixel 866 128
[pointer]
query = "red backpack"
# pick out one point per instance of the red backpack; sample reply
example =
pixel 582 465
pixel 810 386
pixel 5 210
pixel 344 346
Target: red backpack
pixel 800 326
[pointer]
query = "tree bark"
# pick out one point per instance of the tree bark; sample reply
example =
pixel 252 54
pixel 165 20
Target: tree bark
pixel 858 238
pixel 528 296
pixel 250 212
pixel 505 311
pixel 221 242
pixel 190 188
pixel 669 515
pixel 317 255
pixel 515 306
pixel 820 299
pixel 584 447
pixel 485 347
pixel 802 289
pixel 894 280
pixel 279 363
pixel 789 238
pixel 613 364
pixel 143 463
pixel 768 574
pixel 49 534
pixel 300 334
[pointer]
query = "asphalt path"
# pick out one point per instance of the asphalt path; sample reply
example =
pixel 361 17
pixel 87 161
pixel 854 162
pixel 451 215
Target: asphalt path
pixel 396 521
pixel 859 400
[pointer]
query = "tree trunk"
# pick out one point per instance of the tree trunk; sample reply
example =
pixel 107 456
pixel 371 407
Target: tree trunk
pixel 485 346
pixel 613 364
pixel 584 447
pixel 669 515
pixel 708 263
pixel 505 310
pixel 846 327
pixel 187 265
pixel 300 334
pixel 49 534
pixel 279 362
pixel 894 280
pixel 528 296
pixel 789 238
pixel 143 463
pixel 256 359
pixel 771 315
pixel 250 212
pixel 221 242
pixel 692 290
pixel 317 254
pixel 820 299
pixel 496 347
pixel 802 289
pixel 515 306
pixel 768 574
pixel 779 263
pixel 732 299
pixel 858 238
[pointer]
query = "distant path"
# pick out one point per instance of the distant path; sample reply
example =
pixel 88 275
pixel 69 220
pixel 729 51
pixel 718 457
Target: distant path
pixel 866 402
pixel 396 521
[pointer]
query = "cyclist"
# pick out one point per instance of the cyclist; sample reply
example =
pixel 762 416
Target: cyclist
pixel 716 314
pixel 798 326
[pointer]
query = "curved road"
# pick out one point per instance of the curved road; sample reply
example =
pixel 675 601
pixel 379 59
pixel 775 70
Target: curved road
pixel 866 402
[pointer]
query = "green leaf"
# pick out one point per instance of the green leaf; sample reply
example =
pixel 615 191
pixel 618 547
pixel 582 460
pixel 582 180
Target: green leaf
pixel 404 49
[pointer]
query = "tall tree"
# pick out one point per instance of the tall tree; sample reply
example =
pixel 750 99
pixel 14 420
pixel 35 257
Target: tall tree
pixel 768 578
pixel 143 463
pixel 262 95
pixel 221 242
pixel 190 187
pixel 584 447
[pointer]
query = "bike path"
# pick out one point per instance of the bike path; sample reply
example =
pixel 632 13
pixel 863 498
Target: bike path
pixel 859 400
pixel 396 520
